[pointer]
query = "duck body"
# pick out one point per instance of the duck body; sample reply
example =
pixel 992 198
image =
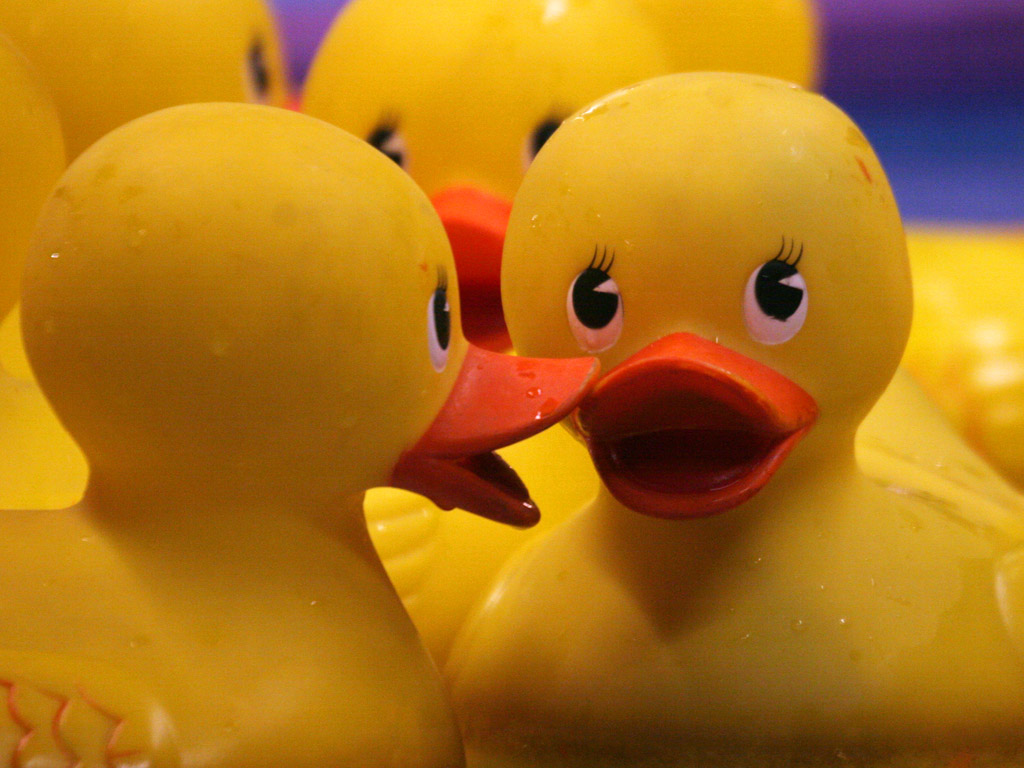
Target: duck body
pixel 752 641
pixel 747 589
pixel 236 384
pixel 243 659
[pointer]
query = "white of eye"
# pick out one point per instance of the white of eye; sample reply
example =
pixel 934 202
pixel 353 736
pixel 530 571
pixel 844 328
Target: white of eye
pixel 594 308
pixel 774 310
pixel 389 140
pixel 394 147
pixel 438 329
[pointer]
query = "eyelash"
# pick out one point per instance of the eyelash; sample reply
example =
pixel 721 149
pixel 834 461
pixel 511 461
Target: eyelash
pixel 786 259
pixel 442 278
pixel 600 265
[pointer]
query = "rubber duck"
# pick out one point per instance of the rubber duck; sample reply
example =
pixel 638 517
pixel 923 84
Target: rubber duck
pixel 740 593
pixel 246 317
pixel 109 61
pixel 39 464
pixel 463 93
pixel 966 345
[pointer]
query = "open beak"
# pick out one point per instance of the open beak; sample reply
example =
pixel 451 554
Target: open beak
pixel 476 222
pixel 689 428
pixel 497 400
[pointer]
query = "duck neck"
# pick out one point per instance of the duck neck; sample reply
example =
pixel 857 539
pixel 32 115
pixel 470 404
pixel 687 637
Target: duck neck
pixel 174 512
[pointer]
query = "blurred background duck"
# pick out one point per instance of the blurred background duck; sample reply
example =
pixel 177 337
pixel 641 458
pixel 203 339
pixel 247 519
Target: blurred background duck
pixel 40 466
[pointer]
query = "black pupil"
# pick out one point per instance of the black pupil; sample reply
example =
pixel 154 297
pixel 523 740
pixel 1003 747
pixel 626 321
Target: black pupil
pixel 542 133
pixel 380 138
pixel 595 309
pixel 442 318
pixel 777 300
pixel 258 68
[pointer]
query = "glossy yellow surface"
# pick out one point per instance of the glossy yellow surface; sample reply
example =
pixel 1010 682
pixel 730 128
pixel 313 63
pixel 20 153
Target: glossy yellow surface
pixel 967 343
pixel 831 618
pixel 202 305
pixel 466 85
pixel 108 61
pixel 39 464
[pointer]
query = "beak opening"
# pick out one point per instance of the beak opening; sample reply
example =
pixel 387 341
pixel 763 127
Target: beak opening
pixel 689 428
pixel 497 400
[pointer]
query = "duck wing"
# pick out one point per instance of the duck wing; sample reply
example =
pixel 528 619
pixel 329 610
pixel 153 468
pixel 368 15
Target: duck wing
pixel 63 712
pixel 907 445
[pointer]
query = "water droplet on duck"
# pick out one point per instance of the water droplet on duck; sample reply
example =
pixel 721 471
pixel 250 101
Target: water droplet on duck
pixel 546 409
pixel 137 238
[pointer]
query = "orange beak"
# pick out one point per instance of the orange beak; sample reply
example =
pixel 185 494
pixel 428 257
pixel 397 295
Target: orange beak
pixel 689 428
pixel 497 400
pixel 476 222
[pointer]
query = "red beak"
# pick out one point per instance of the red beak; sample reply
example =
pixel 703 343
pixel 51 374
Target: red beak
pixel 689 428
pixel 497 400
pixel 476 222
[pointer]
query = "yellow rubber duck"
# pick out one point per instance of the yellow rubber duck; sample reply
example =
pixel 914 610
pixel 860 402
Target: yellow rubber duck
pixel 109 61
pixel 966 345
pixel 39 464
pixel 462 94
pixel 740 593
pixel 246 317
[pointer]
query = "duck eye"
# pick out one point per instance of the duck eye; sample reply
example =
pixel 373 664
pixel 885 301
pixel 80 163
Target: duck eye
pixel 257 72
pixel 388 140
pixel 439 327
pixel 775 302
pixel 538 138
pixel 594 307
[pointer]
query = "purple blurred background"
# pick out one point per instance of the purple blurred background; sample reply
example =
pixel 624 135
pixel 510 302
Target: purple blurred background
pixel 923 49
pixel 937 85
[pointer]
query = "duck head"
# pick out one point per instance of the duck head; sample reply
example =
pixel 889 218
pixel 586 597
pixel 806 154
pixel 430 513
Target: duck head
pixel 106 62
pixel 241 301
pixel 729 247
pixel 463 93
pixel 31 159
